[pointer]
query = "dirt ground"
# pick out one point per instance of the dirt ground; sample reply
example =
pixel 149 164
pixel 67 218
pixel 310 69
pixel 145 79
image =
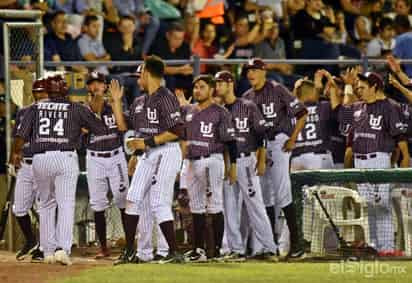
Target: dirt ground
pixel 26 272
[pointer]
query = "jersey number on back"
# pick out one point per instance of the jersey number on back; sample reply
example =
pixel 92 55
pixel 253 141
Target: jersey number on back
pixel 308 133
pixel 45 126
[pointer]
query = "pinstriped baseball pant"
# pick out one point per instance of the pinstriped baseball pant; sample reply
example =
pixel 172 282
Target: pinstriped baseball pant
pixel 154 178
pixel 246 195
pixel 145 231
pixel 25 190
pixel 379 203
pixel 56 174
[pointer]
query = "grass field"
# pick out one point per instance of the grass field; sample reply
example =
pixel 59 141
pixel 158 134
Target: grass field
pixel 337 272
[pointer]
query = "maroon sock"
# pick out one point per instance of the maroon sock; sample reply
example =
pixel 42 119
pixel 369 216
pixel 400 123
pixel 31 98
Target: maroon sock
pixel 168 231
pixel 25 226
pixel 291 220
pixel 100 221
pixel 218 228
pixel 199 227
pixel 130 225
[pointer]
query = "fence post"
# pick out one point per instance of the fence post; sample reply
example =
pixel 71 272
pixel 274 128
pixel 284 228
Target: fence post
pixel 196 65
pixel 365 63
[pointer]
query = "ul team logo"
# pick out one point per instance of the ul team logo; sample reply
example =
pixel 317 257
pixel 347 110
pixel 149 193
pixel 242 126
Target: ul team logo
pixel 242 125
pixel 375 122
pixel 206 130
pixel 152 116
pixel 110 121
pixel 269 110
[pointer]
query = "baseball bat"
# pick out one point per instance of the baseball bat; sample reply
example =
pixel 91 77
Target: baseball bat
pixel 5 211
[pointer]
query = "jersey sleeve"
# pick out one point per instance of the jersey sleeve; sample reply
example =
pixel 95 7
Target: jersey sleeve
pixel 393 121
pixel 25 127
pixel 226 129
pixel 293 106
pixel 170 112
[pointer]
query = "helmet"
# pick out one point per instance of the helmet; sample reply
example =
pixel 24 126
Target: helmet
pixel 39 85
pixel 56 86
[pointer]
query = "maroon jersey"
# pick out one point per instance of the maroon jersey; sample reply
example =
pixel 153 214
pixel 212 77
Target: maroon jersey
pixel 406 112
pixel 27 148
pixel 250 126
pixel 112 139
pixel 55 124
pixel 315 135
pixel 375 127
pixel 151 115
pixel 278 107
pixel 207 130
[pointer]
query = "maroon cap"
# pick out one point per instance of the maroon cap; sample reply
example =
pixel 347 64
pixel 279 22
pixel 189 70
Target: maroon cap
pixel 254 63
pixel 373 79
pixel 56 86
pixel 138 71
pixel 224 76
pixel 39 85
pixel 96 76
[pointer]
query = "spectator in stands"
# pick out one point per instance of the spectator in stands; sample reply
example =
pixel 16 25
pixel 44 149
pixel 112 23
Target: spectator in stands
pixel 309 22
pixel 384 41
pixel 126 46
pixel 401 8
pixel 59 45
pixel 75 11
pixel 173 47
pixel 205 46
pixel 145 21
pixel 90 47
pixel 403 41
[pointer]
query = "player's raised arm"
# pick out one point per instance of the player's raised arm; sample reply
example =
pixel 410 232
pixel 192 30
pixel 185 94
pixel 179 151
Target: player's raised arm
pixel 117 92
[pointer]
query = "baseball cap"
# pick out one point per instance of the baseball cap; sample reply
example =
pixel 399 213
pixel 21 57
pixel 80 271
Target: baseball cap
pixel 39 85
pixel 224 76
pixel 96 76
pixel 254 63
pixel 372 78
pixel 138 71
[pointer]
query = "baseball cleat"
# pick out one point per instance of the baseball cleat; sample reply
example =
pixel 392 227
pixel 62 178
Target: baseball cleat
pixel 296 255
pixel 234 257
pixel 127 256
pixel 197 255
pixel 62 257
pixel 26 250
pixel 37 256
pixel 158 258
pixel 103 253
pixel 172 258
pixel 49 259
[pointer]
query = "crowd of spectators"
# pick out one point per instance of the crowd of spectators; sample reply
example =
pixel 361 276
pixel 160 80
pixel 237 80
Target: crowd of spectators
pixel 123 30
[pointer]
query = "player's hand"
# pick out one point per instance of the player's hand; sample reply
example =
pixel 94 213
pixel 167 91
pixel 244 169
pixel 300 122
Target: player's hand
pixel 289 145
pixel 15 161
pixel 135 144
pixel 232 173
pixel 180 95
pixel 116 90
pixel 183 198
pixel 131 166
pixel 350 76
pixel 394 82
pixel 11 170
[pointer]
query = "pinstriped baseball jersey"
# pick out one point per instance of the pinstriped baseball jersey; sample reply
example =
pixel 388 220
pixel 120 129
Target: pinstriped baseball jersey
pixel 55 124
pixel 207 130
pixel 375 127
pixel 27 148
pixel 109 141
pixel 249 124
pixel 314 137
pixel 277 105
pixel 406 110
pixel 151 115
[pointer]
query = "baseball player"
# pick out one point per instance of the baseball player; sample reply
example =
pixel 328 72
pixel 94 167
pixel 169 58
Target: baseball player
pixel 375 131
pixel 146 222
pixel 105 160
pixel 208 130
pixel 156 120
pixel 278 107
pixel 313 142
pixel 53 128
pixel 25 188
pixel 251 157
